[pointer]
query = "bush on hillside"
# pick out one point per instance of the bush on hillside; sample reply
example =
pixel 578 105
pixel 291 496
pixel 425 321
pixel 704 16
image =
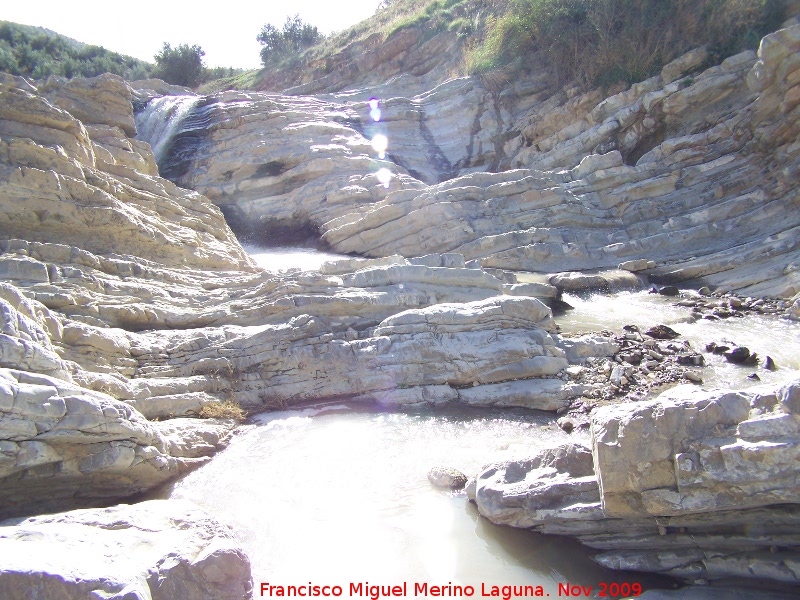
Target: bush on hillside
pixel 182 65
pixel 279 45
pixel 600 42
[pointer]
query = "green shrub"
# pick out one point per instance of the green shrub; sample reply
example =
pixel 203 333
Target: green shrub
pixel 287 43
pixel 38 53
pixel 182 65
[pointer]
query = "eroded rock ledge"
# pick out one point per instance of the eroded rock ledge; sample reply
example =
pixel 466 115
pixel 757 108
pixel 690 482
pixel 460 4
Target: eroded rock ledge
pixel 692 169
pixel 700 485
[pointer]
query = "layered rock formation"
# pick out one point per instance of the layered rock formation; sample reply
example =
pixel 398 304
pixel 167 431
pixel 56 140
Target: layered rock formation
pixel 126 298
pixel 692 169
pixel 700 485
pixel 81 203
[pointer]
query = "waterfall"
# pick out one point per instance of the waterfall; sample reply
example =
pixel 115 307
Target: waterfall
pixel 160 120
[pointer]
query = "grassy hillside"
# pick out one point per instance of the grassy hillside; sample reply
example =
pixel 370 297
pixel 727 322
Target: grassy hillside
pixel 601 42
pixel 38 53
pixel 593 42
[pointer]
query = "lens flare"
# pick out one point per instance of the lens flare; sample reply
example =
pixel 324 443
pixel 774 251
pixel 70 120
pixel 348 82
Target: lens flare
pixel 384 176
pixel 375 109
pixel 379 143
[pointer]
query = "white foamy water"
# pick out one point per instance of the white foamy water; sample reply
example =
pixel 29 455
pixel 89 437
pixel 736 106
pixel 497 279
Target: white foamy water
pixel 285 258
pixel 342 496
pixel 766 335
pixel 160 119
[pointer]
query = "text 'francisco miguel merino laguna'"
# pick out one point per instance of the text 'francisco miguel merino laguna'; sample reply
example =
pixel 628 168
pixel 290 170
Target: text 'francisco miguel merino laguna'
pixel 506 592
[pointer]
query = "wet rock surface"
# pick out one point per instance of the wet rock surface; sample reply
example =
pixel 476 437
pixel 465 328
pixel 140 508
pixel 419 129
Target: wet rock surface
pixel 447 477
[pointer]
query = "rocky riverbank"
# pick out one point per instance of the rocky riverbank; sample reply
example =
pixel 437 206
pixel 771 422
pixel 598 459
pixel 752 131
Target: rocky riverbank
pixel 700 485
pixel 128 304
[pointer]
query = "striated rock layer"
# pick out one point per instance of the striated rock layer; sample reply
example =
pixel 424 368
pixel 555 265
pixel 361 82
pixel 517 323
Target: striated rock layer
pixel 693 169
pixel 701 485
pixel 126 300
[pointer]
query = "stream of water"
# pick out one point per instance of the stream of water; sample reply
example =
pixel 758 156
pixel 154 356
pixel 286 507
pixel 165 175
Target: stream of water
pixel 338 495
pixel 766 335
pixel 285 258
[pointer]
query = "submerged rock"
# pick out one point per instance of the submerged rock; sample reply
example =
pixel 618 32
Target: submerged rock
pixel 739 355
pixel 662 332
pixel 447 477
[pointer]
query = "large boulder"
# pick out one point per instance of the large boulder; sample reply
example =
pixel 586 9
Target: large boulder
pixel 156 550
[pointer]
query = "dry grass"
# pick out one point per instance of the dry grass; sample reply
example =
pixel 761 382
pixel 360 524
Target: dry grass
pixel 222 410
pixel 601 42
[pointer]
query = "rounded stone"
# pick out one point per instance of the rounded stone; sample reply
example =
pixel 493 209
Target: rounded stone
pixel 738 355
pixel 447 477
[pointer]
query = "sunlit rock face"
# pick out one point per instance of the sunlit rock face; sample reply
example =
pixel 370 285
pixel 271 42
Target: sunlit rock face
pixel 696 484
pixel 273 162
pixel 157 550
pixel 83 183
pixel 472 353
pixel 404 59
pixel 692 169
pixel 126 298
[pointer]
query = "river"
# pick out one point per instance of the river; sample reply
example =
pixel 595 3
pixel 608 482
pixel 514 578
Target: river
pixel 338 494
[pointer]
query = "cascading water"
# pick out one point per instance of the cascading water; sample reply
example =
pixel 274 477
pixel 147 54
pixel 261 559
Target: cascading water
pixel 160 120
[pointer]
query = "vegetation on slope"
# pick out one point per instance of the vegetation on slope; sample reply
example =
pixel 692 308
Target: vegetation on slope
pixel 596 42
pixel 38 53
pixel 292 40
pixel 593 42
pixel 600 42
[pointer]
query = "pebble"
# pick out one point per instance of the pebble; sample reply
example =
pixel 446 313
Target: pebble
pixel 566 424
